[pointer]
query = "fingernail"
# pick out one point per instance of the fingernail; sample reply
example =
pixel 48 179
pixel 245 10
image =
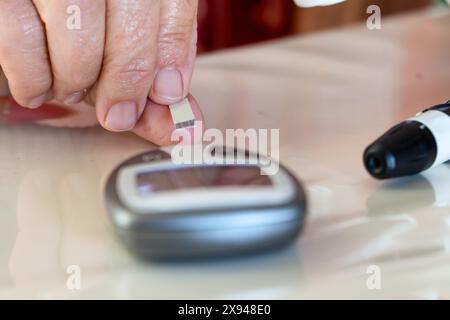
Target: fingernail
pixel 74 98
pixel 121 117
pixel 37 102
pixel 169 84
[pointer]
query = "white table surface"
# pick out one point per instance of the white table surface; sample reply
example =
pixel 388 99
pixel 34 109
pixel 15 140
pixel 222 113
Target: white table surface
pixel 330 94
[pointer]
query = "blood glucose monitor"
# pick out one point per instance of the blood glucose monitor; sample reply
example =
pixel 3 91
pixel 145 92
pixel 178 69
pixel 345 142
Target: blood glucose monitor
pixel 165 210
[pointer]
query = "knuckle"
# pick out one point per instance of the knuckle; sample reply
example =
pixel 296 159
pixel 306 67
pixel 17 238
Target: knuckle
pixel 135 29
pixel 177 36
pixel 30 31
pixel 176 31
pixel 176 28
pixel 133 73
pixel 174 43
pixel 183 7
pixel 25 94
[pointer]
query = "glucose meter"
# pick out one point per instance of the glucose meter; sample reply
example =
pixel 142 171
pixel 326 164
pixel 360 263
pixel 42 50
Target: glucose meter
pixel 165 210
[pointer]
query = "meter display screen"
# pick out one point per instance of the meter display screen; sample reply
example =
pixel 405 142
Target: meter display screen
pixel 200 177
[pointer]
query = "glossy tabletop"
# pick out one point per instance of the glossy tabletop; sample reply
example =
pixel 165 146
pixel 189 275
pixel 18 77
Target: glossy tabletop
pixel 330 94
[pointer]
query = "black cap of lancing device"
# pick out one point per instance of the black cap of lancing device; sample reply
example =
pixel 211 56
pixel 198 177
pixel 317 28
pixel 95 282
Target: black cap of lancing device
pixel 412 146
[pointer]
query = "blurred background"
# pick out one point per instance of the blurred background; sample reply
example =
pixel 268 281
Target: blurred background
pixel 230 23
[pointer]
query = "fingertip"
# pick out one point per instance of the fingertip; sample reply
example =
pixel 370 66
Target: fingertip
pixel 155 124
pixel 32 103
pixel 36 102
pixel 117 115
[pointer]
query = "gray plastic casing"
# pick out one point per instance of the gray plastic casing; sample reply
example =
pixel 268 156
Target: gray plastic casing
pixel 205 233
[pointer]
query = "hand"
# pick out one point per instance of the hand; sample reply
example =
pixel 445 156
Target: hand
pixel 124 52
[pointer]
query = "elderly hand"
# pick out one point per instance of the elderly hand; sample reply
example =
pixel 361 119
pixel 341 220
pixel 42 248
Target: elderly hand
pixel 114 54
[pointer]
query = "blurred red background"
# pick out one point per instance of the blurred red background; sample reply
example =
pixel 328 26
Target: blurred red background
pixel 229 23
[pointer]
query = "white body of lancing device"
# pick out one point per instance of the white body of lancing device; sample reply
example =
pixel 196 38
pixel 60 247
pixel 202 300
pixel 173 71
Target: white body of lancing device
pixel 438 123
pixel 316 3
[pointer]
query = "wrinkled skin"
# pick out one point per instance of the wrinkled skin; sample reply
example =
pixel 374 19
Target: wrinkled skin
pixel 128 58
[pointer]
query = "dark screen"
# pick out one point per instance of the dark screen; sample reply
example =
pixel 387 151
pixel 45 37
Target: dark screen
pixel 201 177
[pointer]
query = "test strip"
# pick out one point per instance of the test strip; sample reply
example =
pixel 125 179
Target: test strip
pixel 182 114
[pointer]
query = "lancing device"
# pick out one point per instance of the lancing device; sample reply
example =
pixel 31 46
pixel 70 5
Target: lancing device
pixel 412 146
